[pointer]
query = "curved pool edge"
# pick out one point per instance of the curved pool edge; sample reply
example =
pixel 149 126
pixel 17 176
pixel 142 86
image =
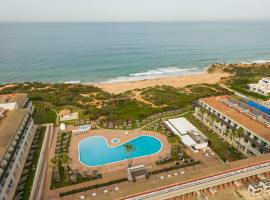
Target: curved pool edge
pixel 161 147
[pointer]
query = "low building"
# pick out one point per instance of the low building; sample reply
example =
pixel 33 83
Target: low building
pixel 67 115
pixel 189 134
pixel 262 87
pixel 137 172
pixel 265 185
pixel 226 116
pixel 16 132
pixel 255 189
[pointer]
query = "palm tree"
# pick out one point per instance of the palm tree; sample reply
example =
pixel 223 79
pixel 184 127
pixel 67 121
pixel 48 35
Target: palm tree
pixel 238 134
pixel 173 140
pixel 55 162
pixel 55 167
pixel 65 161
pixel 231 135
pixel 129 149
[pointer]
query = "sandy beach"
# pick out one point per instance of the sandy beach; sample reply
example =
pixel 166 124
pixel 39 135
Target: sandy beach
pixel 178 81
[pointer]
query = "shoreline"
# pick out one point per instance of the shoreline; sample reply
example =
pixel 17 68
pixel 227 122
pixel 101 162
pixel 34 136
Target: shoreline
pixel 174 81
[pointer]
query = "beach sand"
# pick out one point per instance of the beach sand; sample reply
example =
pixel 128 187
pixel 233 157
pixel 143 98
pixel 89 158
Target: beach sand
pixel 178 81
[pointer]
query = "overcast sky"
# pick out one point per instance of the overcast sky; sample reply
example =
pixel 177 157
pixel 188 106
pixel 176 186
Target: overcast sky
pixel 133 10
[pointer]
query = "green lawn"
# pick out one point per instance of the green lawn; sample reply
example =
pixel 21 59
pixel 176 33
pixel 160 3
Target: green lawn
pixel 29 182
pixel 223 149
pixel 44 115
pixel 246 76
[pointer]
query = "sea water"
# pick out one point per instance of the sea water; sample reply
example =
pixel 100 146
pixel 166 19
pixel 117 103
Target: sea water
pixel 112 52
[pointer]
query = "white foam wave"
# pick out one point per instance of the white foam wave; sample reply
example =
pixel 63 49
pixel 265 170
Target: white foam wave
pixel 245 63
pixel 155 73
pixel 261 61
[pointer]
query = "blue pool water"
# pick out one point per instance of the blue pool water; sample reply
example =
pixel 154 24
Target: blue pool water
pixel 95 151
pixel 84 128
pixel 258 107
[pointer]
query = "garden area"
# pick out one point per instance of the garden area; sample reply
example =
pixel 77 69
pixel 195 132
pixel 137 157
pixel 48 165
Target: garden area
pixel 225 151
pixel 95 104
pixel 63 175
pixel 247 75
pixel 26 181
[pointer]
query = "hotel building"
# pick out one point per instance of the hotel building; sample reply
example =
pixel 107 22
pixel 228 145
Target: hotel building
pixel 16 132
pixel 262 87
pixel 225 115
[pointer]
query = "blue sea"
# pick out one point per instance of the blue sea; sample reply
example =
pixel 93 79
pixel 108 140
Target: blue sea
pixel 111 52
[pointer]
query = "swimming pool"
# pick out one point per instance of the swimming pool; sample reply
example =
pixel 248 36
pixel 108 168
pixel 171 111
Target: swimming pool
pixel 85 128
pixel 259 107
pixel 95 151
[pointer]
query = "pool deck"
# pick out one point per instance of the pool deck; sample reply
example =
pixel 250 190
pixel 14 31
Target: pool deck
pixel 109 135
pixel 127 187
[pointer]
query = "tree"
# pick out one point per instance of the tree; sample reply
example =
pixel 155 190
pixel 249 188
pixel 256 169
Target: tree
pixel 65 161
pixel 173 140
pixel 238 134
pixel 129 149
pixel 55 162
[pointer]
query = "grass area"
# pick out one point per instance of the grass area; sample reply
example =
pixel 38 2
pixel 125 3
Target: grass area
pixel 225 151
pixel 29 182
pixel 113 108
pixel 247 75
pixel 44 115
pixel 64 180
pixel 175 98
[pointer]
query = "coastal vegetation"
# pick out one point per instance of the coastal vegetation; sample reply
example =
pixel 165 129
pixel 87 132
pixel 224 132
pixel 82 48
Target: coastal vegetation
pixel 95 104
pixel 243 74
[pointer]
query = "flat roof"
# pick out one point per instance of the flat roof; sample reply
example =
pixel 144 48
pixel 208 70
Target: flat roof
pixel 240 118
pixel 8 127
pixel 182 125
pixel 19 98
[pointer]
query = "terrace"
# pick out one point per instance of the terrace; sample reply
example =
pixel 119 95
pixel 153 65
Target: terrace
pixel 248 110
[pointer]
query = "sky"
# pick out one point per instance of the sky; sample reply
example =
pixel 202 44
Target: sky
pixel 133 10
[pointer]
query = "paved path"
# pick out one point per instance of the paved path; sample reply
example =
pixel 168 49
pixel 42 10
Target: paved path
pixel 39 186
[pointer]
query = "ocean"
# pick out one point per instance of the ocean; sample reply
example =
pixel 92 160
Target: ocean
pixel 112 52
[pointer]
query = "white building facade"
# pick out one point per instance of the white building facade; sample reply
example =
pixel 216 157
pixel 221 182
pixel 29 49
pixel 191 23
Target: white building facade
pixel 252 142
pixel 262 87
pixel 17 130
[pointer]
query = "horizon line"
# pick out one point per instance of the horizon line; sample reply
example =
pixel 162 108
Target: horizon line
pixel 153 21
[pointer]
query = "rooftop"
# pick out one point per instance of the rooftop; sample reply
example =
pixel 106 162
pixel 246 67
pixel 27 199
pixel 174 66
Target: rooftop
pixel 182 125
pixel 8 126
pixel 64 112
pixel 240 118
pixel 18 98
pixel 188 133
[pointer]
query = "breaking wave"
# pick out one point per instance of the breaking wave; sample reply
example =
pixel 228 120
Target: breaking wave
pixel 156 73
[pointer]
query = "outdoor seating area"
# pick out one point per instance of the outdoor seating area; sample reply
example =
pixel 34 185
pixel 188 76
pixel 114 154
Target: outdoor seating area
pixel 63 174
pixel 130 124
pixel 63 141
pixel 93 124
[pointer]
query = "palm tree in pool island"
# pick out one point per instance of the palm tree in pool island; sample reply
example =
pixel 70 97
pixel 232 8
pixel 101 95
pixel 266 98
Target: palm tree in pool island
pixel 129 149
